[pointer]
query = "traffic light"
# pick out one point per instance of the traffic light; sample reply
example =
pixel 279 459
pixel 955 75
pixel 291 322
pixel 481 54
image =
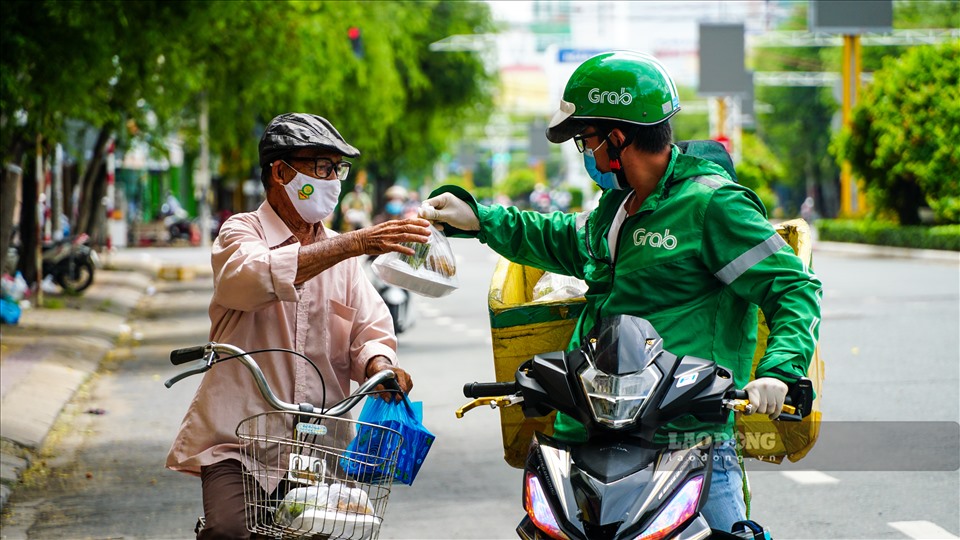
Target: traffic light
pixel 355 41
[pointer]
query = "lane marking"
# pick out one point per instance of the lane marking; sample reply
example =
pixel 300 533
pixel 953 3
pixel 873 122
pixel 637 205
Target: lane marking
pixel 810 477
pixel 429 311
pixel 921 529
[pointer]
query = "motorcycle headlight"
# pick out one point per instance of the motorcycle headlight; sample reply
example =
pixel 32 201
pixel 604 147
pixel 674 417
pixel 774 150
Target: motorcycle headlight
pixel 535 500
pixel 681 508
pixel 617 399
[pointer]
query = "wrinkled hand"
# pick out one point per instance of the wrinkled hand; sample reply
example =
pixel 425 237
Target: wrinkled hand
pixel 380 363
pixel 767 395
pixel 445 208
pixel 387 236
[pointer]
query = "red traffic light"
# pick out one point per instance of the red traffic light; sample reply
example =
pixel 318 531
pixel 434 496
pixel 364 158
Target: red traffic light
pixel 353 33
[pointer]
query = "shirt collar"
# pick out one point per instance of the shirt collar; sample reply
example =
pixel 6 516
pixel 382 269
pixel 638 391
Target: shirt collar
pixel 275 230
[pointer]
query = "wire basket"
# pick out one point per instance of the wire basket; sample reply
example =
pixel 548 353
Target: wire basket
pixel 311 475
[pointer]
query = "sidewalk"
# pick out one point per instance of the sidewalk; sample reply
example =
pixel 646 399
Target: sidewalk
pixel 54 350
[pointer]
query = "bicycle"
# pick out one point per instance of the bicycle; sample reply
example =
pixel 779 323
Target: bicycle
pixel 308 472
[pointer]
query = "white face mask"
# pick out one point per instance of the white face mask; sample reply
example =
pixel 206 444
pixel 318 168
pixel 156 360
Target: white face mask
pixel 313 199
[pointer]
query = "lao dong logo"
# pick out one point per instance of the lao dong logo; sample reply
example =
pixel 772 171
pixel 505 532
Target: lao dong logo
pixel 665 240
pixel 613 98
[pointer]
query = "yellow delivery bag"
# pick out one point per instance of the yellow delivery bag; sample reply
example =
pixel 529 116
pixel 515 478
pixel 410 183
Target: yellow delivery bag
pixel 520 329
pixel 760 437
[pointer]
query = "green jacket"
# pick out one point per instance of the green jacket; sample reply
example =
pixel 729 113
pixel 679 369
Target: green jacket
pixel 696 260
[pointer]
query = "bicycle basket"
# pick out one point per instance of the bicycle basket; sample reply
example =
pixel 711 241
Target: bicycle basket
pixel 301 480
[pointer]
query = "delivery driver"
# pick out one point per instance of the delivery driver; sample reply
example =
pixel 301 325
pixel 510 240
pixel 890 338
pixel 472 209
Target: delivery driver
pixel 673 240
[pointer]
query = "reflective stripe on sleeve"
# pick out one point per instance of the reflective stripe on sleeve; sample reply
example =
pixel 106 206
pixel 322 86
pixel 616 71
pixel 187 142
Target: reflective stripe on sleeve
pixel 710 182
pixel 729 273
pixel 581 220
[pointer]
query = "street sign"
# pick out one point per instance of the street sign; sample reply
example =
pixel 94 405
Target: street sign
pixel 850 18
pixel 577 56
pixel 722 71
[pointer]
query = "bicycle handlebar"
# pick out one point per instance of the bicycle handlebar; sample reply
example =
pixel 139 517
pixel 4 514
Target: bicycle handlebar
pixel 211 352
pixel 182 356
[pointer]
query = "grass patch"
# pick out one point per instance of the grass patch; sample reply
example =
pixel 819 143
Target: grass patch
pixel 880 233
pixel 53 302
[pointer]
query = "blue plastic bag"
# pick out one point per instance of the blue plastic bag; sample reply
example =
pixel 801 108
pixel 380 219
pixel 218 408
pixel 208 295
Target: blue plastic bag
pixel 9 312
pixel 366 458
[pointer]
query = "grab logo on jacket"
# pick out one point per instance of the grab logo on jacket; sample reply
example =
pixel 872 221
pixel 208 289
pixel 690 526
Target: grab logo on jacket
pixel 665 240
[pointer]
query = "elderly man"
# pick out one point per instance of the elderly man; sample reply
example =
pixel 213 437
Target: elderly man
pixel 283 280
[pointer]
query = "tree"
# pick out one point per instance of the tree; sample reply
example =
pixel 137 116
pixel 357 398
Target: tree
pixel 904 140
pixel 96 62
pixel 759 170
pixel 140 69
pixel 798 126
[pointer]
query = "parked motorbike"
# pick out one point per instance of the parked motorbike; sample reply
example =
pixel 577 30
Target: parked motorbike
pixel 71 262
pixel 398 300
pixel 622 385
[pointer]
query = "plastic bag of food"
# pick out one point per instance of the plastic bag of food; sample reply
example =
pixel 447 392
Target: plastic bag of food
pixel 347 499
pixel 430 271
pixel 553 287
pixel 299 500
pixel 337 510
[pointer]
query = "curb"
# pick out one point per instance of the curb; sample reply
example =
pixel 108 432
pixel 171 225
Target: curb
pixel 869 250
pixel 49 366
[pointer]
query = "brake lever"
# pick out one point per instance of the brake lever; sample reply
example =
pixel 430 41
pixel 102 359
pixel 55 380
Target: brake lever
pixel 201 366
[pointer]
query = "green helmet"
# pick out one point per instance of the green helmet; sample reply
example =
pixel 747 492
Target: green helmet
pixel 619 85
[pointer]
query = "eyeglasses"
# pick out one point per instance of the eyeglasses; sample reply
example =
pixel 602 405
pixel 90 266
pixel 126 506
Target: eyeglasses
pixel 581 140
pixel 323 168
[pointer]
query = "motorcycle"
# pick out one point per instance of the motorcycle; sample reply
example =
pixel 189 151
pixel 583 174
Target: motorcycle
pixel 70 262
pixel 623 386
pixel 398 300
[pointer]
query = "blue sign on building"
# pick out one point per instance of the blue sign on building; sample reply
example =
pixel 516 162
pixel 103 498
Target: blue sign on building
pixel 576 55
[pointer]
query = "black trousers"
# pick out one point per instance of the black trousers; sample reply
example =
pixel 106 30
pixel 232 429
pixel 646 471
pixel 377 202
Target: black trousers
pixel 223 507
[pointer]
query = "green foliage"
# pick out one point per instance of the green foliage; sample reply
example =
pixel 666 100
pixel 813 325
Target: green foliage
pixel 945 237
pixel 99 62
pixel 119 63
pixel 759 169
pixel 518 183
pixel 689 125
pixel 797 129
pixel 460 181
pixel 904 140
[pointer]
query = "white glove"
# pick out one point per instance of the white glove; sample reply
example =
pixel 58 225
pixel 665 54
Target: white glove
pixel 767 395
pixel 446 208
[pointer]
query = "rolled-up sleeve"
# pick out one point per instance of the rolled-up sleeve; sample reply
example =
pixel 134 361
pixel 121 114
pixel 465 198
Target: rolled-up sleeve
pixel 372 333
pixel 248 275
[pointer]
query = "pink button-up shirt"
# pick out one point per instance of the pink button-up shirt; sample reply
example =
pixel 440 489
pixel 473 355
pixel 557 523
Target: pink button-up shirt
pixel 337 319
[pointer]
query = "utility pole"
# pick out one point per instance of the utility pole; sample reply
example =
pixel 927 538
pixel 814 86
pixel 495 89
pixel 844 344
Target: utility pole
pixel 850 189
pixel 203 178
pixel 109 201
pixel 851 20
pixel 56 195
pixel 38 221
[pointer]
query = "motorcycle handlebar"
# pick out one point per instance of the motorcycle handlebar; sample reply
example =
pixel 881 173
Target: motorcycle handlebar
pixel 479 390
pixel 797 403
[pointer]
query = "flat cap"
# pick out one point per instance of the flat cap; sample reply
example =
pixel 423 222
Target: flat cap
pixel 292 131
